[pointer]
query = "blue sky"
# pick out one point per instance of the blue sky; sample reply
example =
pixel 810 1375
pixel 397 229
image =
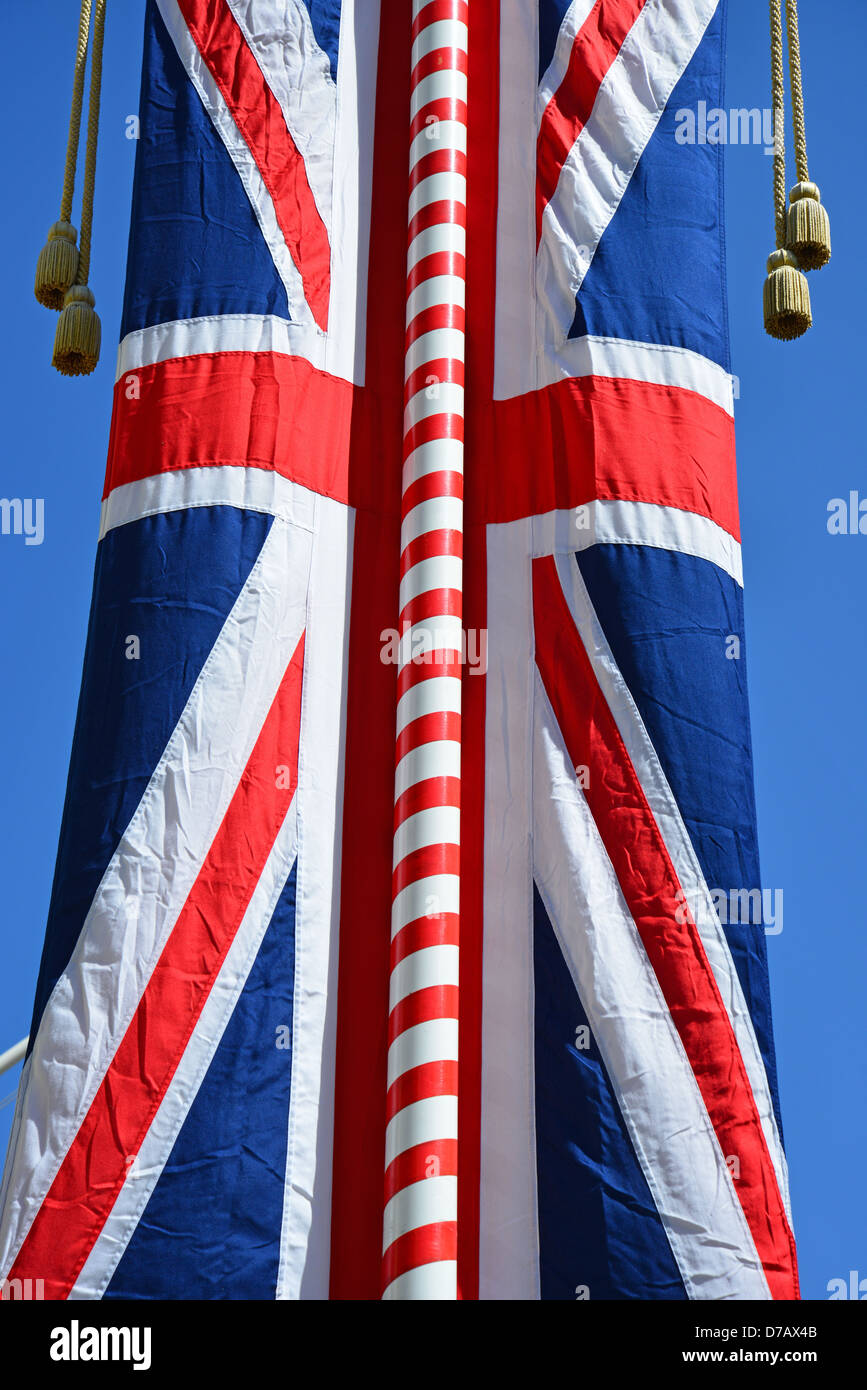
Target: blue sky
pixel 800 443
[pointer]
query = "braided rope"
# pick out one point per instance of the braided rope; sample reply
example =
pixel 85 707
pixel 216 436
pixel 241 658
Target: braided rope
pixel 797 90
pixel 779 122
pixel 92 133
pixel 75 112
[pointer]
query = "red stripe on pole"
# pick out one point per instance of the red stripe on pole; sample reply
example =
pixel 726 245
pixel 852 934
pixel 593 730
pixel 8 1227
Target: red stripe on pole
pixel 428 728
pixel 448 161
pixel 439 369
pixel 650 885
pixel 441 542
pixel 442 109
pixel 446 482
pixel 438 61
pixel 438 316
pixel 435 791
pixel 439 263
pixel 431 1079
pixel 434 603
pixel 436 1158
pixel 436 1001
pixel 422 863
pixel 437 10
pixel 446 210
pixel 424 1245
pixel 426 931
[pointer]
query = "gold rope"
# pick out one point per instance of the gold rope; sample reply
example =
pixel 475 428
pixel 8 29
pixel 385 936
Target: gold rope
pixel 808 230
pixel 75 112
pixel 779 122
pixel 58 261
pixel 797 90
pixel 92 134
pixel 77 341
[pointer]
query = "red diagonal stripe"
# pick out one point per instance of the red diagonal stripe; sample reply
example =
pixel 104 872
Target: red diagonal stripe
pixel 447 161
pixel 96 1165
pixel 441 58
pixel 436 1001
pixel 434 791
pixel 594 49
pixel 443 542
pixel 257 114
pixel 437 370
pixel 650 885
pixel 433 603
pixel 438 263
pixel 437 316
pixel 436 663
pixel 437 1158
pixel 420 1083
pixel 429 728
pixel 423 863
pixel 446 210
pixel 439 1241
pixel 437 10
pixel 442 109
pixel 443 930
pixel 446 482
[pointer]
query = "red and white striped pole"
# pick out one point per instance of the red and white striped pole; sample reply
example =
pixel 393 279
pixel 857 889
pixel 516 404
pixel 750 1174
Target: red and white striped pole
pixel 420 1224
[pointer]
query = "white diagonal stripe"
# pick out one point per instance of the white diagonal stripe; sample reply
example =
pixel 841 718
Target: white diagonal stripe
pixel 433 965
pixel 424 1120
pixel 435 1040
pixel 437 825
pixel 429 697
pixel 420 1204
pixel 425 897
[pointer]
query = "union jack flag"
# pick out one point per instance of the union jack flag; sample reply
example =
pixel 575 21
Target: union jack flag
pixel 257 1067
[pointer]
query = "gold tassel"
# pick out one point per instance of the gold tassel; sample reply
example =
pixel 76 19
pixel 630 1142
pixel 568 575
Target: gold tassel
pixel 57 265
pixel 808 229
pixel 786 298
pixel 78 336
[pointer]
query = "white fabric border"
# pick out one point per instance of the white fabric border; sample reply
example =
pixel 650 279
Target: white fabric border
pixel 305 1241
pixel 508 1224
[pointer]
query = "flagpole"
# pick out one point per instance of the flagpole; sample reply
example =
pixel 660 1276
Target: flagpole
pixel 420 1220
pixel 12 1055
